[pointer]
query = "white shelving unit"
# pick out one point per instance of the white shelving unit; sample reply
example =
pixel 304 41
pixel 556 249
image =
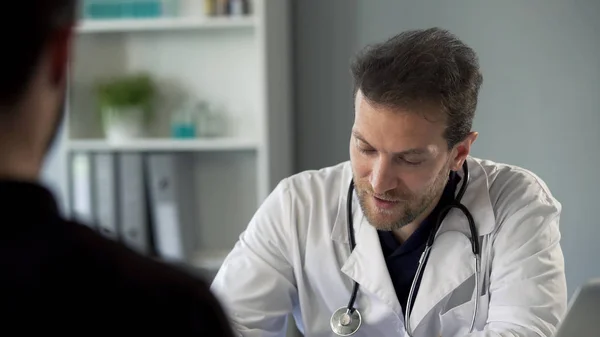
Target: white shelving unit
pixel 165 24
pixel 240 64
pixel 167 145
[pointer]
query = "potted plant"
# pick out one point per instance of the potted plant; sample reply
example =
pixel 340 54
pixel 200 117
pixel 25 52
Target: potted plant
pixel 125 105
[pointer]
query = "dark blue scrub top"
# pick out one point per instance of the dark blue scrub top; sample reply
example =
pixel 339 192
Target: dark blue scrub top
pixel 403 259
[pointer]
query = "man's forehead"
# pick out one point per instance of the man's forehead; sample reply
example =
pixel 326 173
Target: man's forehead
pixel 396 147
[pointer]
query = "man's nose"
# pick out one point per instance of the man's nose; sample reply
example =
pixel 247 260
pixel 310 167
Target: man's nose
pixel 382 177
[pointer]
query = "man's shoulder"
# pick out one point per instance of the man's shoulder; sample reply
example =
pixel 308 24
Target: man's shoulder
pixel 123 263
pixel 318 190
pixel 87 272
pixel 318 179
pixel 318 186
pixel 508 181
pixel 169 292
pixel 135 279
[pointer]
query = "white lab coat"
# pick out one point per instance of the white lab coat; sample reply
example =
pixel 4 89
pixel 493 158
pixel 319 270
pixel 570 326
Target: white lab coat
pixel 294 258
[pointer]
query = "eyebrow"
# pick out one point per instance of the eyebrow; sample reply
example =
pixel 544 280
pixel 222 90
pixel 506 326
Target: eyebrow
pixel 413 151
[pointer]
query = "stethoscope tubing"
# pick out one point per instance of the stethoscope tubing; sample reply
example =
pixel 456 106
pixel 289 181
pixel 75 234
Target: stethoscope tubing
pixel 352 243
pixel 475 246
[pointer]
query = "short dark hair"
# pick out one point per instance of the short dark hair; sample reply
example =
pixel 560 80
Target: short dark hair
pixel 415 66
pixel 24 32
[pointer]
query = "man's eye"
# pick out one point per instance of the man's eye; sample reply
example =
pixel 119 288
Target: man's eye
pixel 366 151
pixel 412 162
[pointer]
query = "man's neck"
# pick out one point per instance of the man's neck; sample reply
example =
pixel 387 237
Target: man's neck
pixel 405 232
pixel 18 165
pixel 20 158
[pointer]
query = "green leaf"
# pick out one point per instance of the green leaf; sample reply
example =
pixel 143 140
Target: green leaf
pixel 135 90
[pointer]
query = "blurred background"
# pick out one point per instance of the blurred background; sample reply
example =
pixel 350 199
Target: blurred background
pixel 244 93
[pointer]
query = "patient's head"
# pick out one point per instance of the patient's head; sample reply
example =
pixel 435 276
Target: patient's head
pixel 36 36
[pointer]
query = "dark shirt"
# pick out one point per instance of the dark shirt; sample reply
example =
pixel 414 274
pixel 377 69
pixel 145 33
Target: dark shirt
pixel 58 276
pixel 403 259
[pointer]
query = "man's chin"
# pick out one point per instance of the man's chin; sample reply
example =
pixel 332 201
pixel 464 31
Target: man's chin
pixel 383 222
pixel 383 228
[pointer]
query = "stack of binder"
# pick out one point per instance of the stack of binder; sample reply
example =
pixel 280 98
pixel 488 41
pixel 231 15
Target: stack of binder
pixel 142 200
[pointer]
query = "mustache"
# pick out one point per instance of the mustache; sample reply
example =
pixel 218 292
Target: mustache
pixel 388 198
pixel 391 196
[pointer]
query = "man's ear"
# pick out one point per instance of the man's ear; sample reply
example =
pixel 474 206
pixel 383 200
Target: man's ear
pixel 59 52
pixel 461 151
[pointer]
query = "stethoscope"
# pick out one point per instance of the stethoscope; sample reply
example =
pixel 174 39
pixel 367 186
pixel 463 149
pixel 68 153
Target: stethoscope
pixel 347 320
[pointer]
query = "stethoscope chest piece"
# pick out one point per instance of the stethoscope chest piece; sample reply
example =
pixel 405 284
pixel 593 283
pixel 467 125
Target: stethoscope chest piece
pixel 344 323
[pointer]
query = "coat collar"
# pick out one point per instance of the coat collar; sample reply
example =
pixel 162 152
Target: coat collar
pixel 366 264
pixel 476 199
pixel 339 231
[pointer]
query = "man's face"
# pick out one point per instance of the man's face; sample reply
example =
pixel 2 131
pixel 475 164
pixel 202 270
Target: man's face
pixel 55 90
pixel 400 162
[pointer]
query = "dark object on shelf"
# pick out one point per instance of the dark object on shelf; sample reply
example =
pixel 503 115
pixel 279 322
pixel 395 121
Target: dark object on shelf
pixel 226 7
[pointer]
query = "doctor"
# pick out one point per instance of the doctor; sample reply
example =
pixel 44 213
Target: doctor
pixel 357 248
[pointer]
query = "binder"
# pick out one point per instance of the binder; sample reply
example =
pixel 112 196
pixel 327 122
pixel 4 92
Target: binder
pixel 172 205
pixel 82 196
pixel 106 196
pixel 133 229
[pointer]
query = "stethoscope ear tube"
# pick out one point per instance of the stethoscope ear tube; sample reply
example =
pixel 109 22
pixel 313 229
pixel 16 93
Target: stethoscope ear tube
pixel 352 241
pixel 346 321
pixel 411 293
pixel 474 234
pixel 350 221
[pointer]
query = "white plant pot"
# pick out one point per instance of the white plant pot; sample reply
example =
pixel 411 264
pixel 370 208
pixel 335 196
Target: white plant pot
pixel 122 124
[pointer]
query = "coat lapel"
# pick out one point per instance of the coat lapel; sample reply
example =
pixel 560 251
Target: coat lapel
pixel 451 261
pixel 365 264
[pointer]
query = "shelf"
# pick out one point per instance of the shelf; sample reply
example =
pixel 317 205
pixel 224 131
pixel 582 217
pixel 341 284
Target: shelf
pixel 147 145
pixel 209 260
pixel 165 24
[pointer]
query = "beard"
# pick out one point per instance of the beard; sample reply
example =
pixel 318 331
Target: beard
pixel 409 206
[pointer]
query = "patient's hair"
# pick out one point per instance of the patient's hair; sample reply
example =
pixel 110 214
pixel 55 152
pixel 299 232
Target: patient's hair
pixel 430 66
pixel 25 29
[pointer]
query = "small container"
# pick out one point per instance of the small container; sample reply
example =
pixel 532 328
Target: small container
pixel 247 7
pixel 236 7
pixel 146 8
pixel 109 9
pixel 211 121
pixel 222 7
pixel 121 9
pixel 170 8
pixel 183 131
pixel 210 7
pixel 183 123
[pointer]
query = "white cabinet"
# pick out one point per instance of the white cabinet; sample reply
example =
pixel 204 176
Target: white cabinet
pixel 238 64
